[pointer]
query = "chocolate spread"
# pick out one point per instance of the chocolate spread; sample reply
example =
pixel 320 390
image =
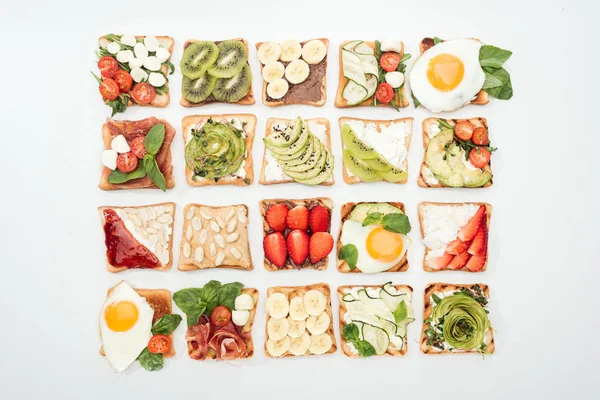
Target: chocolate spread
pixel 309 90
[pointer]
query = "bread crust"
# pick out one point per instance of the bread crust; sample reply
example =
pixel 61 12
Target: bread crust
pixel 488 208
pixel 249 129
pixel 280 102
pixel 351 180
pixel 344 343
pixel 264 206
pixel 342 265
pixel 293 291
pixel 272 121
pixel 340 102
pixel 171 209
pixel 428 309
pixel 244 101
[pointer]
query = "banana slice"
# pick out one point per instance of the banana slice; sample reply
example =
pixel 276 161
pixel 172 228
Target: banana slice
pixel 277 328
pixel 314 52
pixel 297 311
pixel 296 328
pixel 290 50
pixel 299 345
pixel 278 88
pixel 277 348
pixel 320 344
pixel 278 305
pixel 297 71
pixel 317 325
pixel 269 51
pixel 273 70
pixel 314 302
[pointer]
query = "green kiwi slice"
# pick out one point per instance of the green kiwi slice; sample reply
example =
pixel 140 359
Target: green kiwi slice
pixel 355 145
pixel 197 58
pixel 235 88
pixel 359 168
pixel 233 55
pixel 198 90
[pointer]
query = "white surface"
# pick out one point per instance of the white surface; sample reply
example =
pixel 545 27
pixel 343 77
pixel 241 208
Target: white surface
pixel 544 232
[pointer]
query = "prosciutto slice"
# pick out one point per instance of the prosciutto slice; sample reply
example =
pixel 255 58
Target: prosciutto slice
pixel 197 337
pixel 226 341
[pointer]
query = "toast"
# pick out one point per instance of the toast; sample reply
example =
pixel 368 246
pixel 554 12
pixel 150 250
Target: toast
pixel 427 250
pixel 144 221
pixel 285 179
pixel 438 288
pixel 350 178
pixel 399 99
pixel 308 203
pixel 342 265
pixel 215 237
pixel 244 101
pixel 249 125
pixel 317 99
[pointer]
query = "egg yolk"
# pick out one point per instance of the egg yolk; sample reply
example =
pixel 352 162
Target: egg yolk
pixel 383 245
pixel 121 316
pixel 445 72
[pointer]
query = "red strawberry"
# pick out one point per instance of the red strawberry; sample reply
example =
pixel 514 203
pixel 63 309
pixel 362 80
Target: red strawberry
pixel 479 244
pixel 319 219
pixel 440 262
pixel 457 247
pixel 297 218
pixel 274 246
pixel 297 245
pixel 321 244
pixel 459 261
pixel 476 262
pixel 468 232
pixel 276 216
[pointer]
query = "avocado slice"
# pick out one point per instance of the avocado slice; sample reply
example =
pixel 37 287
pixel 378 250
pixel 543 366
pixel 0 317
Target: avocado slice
pixel 359 213
pixel 296 147
pixel 471 177
pixel 323 175
pixel 286 137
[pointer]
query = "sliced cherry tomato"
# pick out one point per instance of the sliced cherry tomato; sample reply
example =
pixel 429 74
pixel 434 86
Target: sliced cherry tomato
pixel 480 136
pixel 127 162
pixel 144 93
pixel 124 80
pixel 384 93
pixel 220 316
pixel 389 61
pixel 138 146
pixel 108 66
pixel 109 89
pixel 480 157
pixel 159 344
pixel 464 130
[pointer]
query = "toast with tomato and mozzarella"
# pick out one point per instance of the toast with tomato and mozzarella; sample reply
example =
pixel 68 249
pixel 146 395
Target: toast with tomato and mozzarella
pixel 455 236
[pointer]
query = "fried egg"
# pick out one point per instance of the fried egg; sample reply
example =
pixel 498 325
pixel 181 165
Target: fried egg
pixel 448 75
pixel 125 323
pixel 378 249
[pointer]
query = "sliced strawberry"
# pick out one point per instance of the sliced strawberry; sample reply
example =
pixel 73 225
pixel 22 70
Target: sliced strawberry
pixel 459 261
pixel 321 244
pixel 468 232
pixel 297 218
pixel 297 246
pixel 476 262
pixel 319 219
pixel 457 247
pixel 440 262
pixel 274 246
pixel 479 244
pixel 276 216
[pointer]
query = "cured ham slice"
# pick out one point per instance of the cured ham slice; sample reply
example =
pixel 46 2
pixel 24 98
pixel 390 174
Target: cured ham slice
pixel 226 341
pixel 197 337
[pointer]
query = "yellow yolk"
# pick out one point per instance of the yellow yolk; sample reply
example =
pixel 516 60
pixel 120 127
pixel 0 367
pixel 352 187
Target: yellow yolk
pixel 121 316
pixel 445 72
pixel 383 245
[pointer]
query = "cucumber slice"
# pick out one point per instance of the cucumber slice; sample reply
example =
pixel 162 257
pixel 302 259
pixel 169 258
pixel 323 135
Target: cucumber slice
pixel 393 333
pixel 352 67
pixel 352 45
pixel 360 312
pixel 363 48
pixel 369 64
pixel 371 85
pixel 354 93
pixel 376 306
pixel 378 338
pixel 392 300
pixel 347 298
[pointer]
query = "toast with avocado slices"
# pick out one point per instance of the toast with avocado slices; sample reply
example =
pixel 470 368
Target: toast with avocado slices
pixel 456 319
pixel 218 149
pixel 375 150
pixel 372 238
pixel 297 150
pixel 293 72
pixel 216 72
pixel 374 319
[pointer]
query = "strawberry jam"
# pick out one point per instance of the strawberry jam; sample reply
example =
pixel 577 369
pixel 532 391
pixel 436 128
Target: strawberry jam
pixel 122 249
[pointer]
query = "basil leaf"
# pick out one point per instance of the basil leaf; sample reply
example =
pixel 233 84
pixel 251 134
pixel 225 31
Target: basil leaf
pixel 396 222
pixel 437 40
pixel 154 173
pixel 365 349
pixel 166 324
pixel 121 177
pixel 401 312
pixel 445 124
pixel 350 332
pixel 150 361
pixel 190 301
pixel 371 218
pixel 227 294
pixel 492 56
pixel 436 299
pixel 154 139
pixel 210 295
pixel 505 90
pixel 349 253
pixel 415 100
pixel 491 81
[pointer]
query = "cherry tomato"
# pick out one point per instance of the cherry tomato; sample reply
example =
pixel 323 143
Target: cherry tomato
pixel 108 66
pixel 480 136
pixel 109 89
pixel 389 61
pixel 127 162
pixel 384 93
pixel 220 316
pixel 480 157
pixel 159 344
pixel 464 130
pixel 124 80
pixel 138 146
pixel 144 93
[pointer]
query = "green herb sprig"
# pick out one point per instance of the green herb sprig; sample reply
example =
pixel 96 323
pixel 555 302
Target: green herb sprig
pixel 164 326
pixel 497 80
pixel 394 222
pixel 195 302
pixel 349 253
pixel 352 335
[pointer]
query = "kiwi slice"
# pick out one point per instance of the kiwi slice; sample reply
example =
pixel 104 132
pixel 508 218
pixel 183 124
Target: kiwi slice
pixel 232 57
pixel 198 90
pixel 197 57
pixel 235 88
pixel 394 175
pixel 379 164
pixel 322 176
pixel 359 168
pixel 308 159
pixel 312 172
pixel 355 145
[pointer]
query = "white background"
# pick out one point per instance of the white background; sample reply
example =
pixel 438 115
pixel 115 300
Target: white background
pixel 544 234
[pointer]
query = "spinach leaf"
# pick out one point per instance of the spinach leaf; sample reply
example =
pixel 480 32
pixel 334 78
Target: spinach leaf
pixel 349 252
pixel 365 349
pixel 492 56
pixel 191 303
pixel 401 312
pixel 436 298
pixel 150 361
pixel 121 177
pixel 415 100
pixel 371 218
pixel 396 222
pixel 350 332
pixel 166 324
pixel 154 173
pixel 502 92
pixel 154 139
pixel 228 292
pixel 210 295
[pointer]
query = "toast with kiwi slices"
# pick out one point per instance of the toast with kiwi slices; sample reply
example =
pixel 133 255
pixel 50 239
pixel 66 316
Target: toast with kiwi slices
pixel 216 72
